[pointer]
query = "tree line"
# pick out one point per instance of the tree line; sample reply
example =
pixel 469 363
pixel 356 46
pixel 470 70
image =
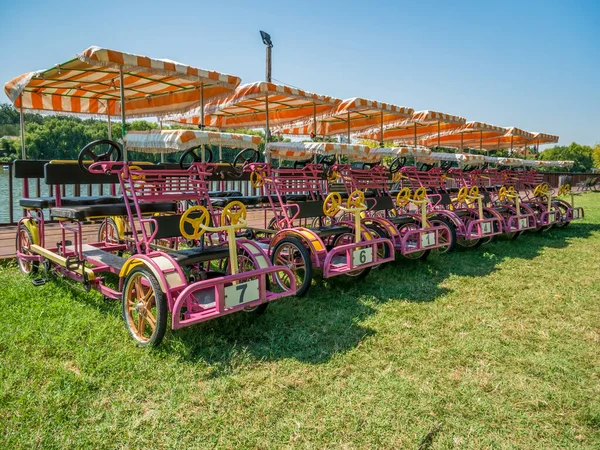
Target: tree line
pixel 61 137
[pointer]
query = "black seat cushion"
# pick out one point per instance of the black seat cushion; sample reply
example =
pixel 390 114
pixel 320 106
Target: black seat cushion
pixel 224 194
pixel 401 220
pixel 296 197
pixel 249 200
pixel 48 202
pixel 97 211
pixel 195 255
pixel 331 230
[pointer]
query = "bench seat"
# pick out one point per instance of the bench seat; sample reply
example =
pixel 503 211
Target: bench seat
pixel 49 202
pixel 188 256
pixel 98 211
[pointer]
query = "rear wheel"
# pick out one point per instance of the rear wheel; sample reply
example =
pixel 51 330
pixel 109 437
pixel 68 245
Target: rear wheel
pixel 108 232
pixel 291 253
pixel 144 307
pixel 448 238
pixel 383 251
pixel 246 264
pixel 421 254
pixel 349 238
pixel 23 244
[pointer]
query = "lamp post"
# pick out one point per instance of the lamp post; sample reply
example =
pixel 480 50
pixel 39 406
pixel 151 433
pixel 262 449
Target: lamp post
pixel 266 38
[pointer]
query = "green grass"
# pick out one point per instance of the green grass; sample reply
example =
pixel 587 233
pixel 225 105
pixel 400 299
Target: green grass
pixel 496 347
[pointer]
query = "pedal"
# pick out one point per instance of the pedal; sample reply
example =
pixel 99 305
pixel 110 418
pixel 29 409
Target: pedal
pixel 38 281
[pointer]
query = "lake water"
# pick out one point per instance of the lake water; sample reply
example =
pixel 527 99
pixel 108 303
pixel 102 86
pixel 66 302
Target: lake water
pixel 18 193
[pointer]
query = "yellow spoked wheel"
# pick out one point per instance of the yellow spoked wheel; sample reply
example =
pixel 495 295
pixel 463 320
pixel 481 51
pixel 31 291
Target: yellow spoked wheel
pixel 144 307
pixel 233 213
pixel 403 197
pixel 332 204
pixel 356 200
pixel 398 176
pixel 420 194
pixel 257 179
pixel 502 194
pixel 194 217
pixel 474 192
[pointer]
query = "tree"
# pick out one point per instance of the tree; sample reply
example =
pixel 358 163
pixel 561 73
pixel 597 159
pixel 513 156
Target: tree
pixel 580 154
pixel 596 155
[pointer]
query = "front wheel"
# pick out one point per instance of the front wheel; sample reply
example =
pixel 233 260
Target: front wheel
pixel 383 251
pixel 291 253
pixel 24 241
pixel 144 307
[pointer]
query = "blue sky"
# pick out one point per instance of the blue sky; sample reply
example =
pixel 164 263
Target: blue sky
pixel 530 64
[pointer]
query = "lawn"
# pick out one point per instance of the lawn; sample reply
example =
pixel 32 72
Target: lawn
pixel 495 347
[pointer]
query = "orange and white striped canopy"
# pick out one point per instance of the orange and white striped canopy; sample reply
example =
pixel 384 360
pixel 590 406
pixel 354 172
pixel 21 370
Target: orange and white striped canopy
pixel 247 107
pixel 170 141
pixel 90 84
pixel 543 138
pixel 420 125
pixel 295 151
pixel 515 162
pixel 354 114
pixel 514 137
pixel 470 134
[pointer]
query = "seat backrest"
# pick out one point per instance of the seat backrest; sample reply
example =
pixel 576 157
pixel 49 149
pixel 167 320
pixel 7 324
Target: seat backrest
pixel 30 168
pixel 381 203
pixel 309 209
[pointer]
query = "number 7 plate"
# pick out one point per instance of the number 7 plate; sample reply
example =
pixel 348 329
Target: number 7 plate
pixel 241 293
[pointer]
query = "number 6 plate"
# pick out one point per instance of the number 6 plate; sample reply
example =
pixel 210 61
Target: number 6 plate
pixel 362 256
pixel 240 293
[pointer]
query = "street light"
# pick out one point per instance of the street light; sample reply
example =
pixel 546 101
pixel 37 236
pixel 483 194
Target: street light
pixel 266 38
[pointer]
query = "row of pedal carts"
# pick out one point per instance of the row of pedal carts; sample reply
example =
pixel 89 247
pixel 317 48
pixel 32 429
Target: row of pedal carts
pixel 167 242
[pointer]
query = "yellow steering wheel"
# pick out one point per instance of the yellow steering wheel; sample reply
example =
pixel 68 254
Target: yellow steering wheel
pixel 540 190
pixel 202 218
pixel 332 204
pixel 403 197
pixel 332 176
pixel 137 176
pixel 564 189
pixel 232 213
pixel 502 193
pixel 461 197
pixel 257 179
pixel 474 192
pixel 511 193
pixel 356 200
pixel 420 194
pixel 398 176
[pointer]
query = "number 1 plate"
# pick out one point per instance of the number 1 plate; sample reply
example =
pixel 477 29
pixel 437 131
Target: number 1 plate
pixel 240 293
pixel 427 239
pixel 551 217
pixel 362 256
pixel 523 223
pixel 575 214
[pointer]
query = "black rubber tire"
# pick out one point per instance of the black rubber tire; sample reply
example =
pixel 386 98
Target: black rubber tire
pixel 161 307
pixel 34 264
pixel 305 254
pixel 379 231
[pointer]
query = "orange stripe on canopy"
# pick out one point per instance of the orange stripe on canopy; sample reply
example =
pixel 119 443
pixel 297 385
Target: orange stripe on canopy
pixel 91 82
pixel 247 107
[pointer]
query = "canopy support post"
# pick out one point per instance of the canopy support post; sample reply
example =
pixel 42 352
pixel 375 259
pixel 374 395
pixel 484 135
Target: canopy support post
pixel 480 140
pixel 203 156
pixel 314 121
pixel 438 135
pixel 348 127
pixel 415 136
pixel 511 145
pixel 123 128
pixel 462 141
pixel 162 154
pixel 381 130
pixel 109 124
pixel 267 130
pixel 22 124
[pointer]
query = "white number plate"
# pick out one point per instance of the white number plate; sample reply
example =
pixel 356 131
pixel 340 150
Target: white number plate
pixel 550 217
pixel 575 214
pixel 362 256
pixel 486 228
pixel 427 240
pixel 240 293
pixel 523 223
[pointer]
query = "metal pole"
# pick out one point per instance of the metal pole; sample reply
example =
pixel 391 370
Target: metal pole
pixel 381 131
pixel 438 133
pixel 162 154
pixel 22 122
pixel 480 140
pixel 268 70
pixel 511 146
pixel 314 120
pixel 348 127
pixel 109 125
pixel 267 131
pixel 202 106
pixel 415 141
pixel 123 129
pixel 462 135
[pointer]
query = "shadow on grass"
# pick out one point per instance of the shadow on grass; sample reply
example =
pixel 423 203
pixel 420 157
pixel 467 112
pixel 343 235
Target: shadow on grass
pixel 328 320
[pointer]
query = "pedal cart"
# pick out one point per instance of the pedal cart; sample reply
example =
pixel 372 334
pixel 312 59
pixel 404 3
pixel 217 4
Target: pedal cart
pixel 296 196
pixel 403 218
